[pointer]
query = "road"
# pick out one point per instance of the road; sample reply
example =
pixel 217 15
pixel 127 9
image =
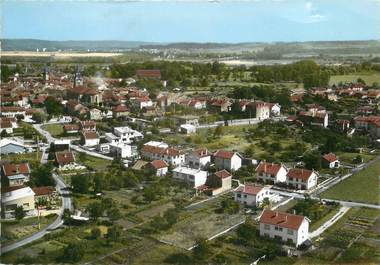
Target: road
pixel 330 222
pixel 66 202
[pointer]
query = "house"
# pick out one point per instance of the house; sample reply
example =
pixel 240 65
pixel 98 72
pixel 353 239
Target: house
pixel 123 150
pixel 220 105
pixel 95 114
pixel 148 74
pixel 127 135
pixel 11 111
pixel 342 125
pixel 199 158
pixel 6 125
pixel 8 146
pixel 88 126
pixel 271 173
pixel 17 174
pixel 45 193
pixel 330 160
pixel 227 160
pixel 319 118
pixel 194 177
pixel 64 158
pixel 368 123
pixel 142 102
pixel 187 128
pixel 159 166
pixel 290 228
pixel 120 111
pixel 71 128
pixel 262 110
pixel 13 198
pixel 218 182
pixel 251 194
pixel 302 179
pixel 170 155
pixel 89 138
pixel 275 109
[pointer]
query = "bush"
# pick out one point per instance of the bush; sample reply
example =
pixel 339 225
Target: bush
pixel 178 258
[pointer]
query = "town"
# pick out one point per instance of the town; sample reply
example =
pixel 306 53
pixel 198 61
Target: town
pixel 189 153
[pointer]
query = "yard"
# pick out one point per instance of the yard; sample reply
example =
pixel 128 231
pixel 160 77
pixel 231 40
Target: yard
pixel 362 186
pixel 33 158
pixel 369 78
pixel 93 163
pixel 54 129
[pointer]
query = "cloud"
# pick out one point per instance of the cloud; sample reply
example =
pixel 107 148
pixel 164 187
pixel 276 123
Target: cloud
pixel 313 15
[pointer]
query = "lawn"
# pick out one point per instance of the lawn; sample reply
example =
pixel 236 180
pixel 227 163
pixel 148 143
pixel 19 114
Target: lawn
pixel 54 129
pixel 93 163
pixel 33 158
pixel 363 186
pixel 369 78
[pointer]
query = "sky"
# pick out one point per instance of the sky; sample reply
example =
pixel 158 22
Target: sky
pixel 192 21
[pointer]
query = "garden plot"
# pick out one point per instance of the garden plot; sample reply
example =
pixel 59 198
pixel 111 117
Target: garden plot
pixel 202 224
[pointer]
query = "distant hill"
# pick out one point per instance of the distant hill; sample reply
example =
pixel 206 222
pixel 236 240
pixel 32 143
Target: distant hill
pixel 34 44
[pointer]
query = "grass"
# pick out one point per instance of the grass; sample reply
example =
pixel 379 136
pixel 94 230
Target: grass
pixel 363 186
pixel 92 162
pixel 33 158
pixel 369 78
pixel 315 225
pixel 54 129
pixel 14 230
pixel 347 157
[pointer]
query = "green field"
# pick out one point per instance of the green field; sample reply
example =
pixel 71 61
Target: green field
pixel 54 129
pixel 367 77
pixel 363 186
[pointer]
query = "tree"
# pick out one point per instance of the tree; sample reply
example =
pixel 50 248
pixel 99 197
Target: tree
pixel 73 252
pixel 53 107
pixel 95 210
pixel 95 233
pixel 4 134
pixel 19 213
pixel 39 117
pixel 41 176
pixel 66 216
pixel 114 213
pixel 114 233
pixel 218 131
pixel 312 160
pixel 202 249
pixel 80 183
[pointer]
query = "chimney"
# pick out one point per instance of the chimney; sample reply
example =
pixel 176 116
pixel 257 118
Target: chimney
pixel 265 166
pixel 17 169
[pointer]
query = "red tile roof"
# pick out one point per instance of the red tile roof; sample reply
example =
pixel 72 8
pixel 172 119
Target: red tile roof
pixel 13 169
pixel 64 157
pixel 89 135
pixel 157 164
pixel 269 168
pixel 120 108
pixel 330 157
pixel 299 173
pixel 222 174
pixel 40 191
pixel 281 219
pixel 224 154
pixel 202 152
pixel 159 150
pixel 71 127
pixel 251 189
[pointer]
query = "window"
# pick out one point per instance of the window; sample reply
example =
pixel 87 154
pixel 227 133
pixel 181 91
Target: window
pixel 266 227
pixel 238 195
pixel 290 232
pixel 26 205
pixel 245 195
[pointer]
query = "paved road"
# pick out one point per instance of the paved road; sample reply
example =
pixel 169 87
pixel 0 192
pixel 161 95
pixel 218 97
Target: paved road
pixel 60 187
pixel 330 222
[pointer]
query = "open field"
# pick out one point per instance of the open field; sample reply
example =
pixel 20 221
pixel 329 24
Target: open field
pixel 13 230
pixel 363 186
pixel 92 162
pixel 58 54
pixel 369 78
pixel 54 129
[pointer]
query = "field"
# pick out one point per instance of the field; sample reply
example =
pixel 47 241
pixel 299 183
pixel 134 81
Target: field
pixel 363 186
pixel 58 54
pixel 33 158
pixel 369 78
pixel 13 230
pixel 54 129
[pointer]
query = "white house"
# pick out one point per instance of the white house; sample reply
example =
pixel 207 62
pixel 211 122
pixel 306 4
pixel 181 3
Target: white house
pixel 127 135
pixel 299 178
pixel 275 109
pixel 90 138
pixel 330 160
pixel 122 150
pixel 290 228
pixel 17 174
pixel 198 158
pixel 157 144
pixel 271 173
pixel 263 110
pixel 12 199
pixel 230 161
pixel 12 111
pixel 170 155
pixel 194 177
pixel 251 194
pixel 159 166
pixel 187 128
